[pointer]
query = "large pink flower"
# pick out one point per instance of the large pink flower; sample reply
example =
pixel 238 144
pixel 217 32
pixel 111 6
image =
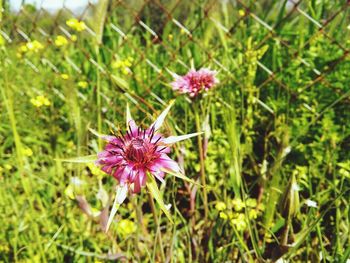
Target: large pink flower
pixel 195 82
pixel 130 156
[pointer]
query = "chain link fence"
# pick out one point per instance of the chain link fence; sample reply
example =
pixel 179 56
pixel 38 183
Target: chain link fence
pixel 160 34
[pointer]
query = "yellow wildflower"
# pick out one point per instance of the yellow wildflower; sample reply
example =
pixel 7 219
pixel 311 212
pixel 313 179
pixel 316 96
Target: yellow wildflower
pixel 251 202
pixel 126 227
pixel 27 152
pixel 35 102
pixel 76 24
pixel 8 166
pixel 239 222
pixel 74 38
pixel 241 12
pixel 253 214
pixel 64 76
pixel 31 46
pixel 40 101
pixel 117 64
pixel 170 37
pixel 125 71
pixel 23 49
pixel 238 204
pixel 128 62
pixel 123 65
pixel 34 46
pixel 82 84
pixel 220 206
pixel 61 41
pixel 223 215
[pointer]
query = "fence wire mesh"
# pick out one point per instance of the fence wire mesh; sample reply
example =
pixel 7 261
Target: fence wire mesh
pixel 207 32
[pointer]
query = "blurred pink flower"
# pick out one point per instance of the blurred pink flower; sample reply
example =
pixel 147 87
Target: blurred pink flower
pixel 195 82
pixel 130 156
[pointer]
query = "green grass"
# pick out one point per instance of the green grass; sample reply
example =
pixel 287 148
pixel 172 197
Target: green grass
pixel 276 130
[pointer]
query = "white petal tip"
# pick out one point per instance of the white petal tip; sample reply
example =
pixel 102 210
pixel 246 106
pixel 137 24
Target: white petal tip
pixel 159 121
pixel 174 139
pixel 120 195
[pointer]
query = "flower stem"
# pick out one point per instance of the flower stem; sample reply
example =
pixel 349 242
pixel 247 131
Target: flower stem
pixel 98 97
pixel 159 234
pixel 202 165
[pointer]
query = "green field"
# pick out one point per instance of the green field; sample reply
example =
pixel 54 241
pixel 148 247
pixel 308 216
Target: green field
pixel 269 177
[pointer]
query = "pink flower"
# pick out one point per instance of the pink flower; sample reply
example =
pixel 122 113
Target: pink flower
pixel 130 156
pixel 195 82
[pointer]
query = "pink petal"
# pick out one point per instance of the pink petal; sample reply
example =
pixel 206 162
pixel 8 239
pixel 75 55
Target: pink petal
pixel 142 177
pixel 122 174
pixel 137 187
pixel 164 162
pixel 159 175
pixel 132 125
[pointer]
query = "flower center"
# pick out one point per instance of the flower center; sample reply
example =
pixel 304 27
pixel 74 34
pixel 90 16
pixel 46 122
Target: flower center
pixel 137 143
pixel 139 151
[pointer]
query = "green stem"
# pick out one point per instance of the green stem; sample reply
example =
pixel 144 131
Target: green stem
pixel 202 164
pixel 285 234
pixel 98 98
pixel 156 221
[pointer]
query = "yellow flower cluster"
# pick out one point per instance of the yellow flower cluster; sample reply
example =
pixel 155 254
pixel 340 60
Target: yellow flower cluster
pixel 76 24
pixel 27 152
pixel 73 38
pixel 220 206
pixel 82 84
pixel 30 47
pixel 61 41
pixel 64 76
pixel 126 227
pixel 236 214
pixel 40 101
pixel 8 166
pixel 123 65
pixel 241 12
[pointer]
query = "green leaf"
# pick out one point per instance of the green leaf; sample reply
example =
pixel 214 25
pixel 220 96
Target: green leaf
pixel 153 189
pixel 120 82
pixel 82 159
